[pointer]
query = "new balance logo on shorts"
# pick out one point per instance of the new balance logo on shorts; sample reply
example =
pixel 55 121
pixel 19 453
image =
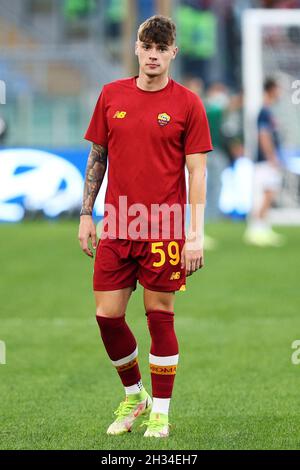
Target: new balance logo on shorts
pixel 175 275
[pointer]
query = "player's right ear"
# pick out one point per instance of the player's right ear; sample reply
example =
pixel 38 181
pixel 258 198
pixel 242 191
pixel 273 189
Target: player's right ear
pixel 136 48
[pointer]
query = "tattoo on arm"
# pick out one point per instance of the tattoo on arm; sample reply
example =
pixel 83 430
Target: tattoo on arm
pixel 95 171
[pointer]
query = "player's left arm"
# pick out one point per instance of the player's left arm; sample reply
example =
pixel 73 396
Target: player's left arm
pixel 192 256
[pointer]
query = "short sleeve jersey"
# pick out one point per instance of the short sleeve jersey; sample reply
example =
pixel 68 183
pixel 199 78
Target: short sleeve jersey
pixel 147 135
pixel 267 122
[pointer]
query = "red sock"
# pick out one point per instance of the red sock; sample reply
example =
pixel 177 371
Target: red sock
pixel 121 347
pixel 163 355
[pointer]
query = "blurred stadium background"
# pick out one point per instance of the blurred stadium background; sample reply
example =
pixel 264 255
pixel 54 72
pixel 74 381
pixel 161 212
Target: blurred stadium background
pixel 241 314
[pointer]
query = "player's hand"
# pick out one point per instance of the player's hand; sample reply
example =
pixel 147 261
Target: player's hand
pixel 275 162
pixel 87 232
pixel 192 257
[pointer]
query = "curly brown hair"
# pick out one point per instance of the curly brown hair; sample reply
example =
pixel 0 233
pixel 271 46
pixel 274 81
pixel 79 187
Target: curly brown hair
pixel 158 29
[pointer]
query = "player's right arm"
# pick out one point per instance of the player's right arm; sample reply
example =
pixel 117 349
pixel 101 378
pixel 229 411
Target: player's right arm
pixel 95 171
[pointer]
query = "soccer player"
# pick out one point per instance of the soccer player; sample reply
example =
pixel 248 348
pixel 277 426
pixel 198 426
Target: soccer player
pixel 148 128
pixel 267 172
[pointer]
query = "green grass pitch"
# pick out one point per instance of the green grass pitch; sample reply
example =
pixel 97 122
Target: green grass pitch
pixel 236 386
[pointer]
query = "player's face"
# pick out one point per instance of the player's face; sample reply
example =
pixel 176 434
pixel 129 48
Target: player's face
pixel 154 59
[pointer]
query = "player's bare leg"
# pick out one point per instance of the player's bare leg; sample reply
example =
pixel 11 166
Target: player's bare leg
pixel 122 349
pixel 268 198
pixel 260 232
pixel 112 303
pixel 159 300
pixel 163 358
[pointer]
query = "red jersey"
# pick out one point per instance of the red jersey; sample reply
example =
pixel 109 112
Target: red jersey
pixel 148 135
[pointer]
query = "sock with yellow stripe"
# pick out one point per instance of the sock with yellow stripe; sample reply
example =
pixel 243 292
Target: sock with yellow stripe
pixel 163 357
pixel 122 349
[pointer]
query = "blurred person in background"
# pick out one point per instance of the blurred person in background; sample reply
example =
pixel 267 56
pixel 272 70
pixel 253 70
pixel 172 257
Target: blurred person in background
pixel 150 127
pixel 216 103
pixel 267 172
pixel 232 125
pixel 217 100
pixel 195 84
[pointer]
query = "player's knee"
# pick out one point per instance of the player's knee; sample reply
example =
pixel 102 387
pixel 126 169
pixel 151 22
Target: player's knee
pixel 108 312
pixel 163 301
pixel 161 305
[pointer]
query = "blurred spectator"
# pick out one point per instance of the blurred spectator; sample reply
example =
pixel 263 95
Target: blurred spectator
pixel 232 129
pixel 75 9
pixel 267 173
pixel 194 84
pixel 216 104
pixel 115 12
pixel 198 39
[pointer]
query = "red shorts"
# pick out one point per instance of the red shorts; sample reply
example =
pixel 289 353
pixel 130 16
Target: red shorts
pixel 120 263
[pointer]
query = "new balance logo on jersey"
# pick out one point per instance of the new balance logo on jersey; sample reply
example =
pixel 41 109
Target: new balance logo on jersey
pixel 175 275
pixel 120 114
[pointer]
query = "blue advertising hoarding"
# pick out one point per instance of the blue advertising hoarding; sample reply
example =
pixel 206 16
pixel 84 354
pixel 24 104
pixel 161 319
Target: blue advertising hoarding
pixel 41 180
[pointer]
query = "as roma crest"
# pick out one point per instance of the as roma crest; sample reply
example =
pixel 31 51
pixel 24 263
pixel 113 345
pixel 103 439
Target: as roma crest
pixel 163 119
